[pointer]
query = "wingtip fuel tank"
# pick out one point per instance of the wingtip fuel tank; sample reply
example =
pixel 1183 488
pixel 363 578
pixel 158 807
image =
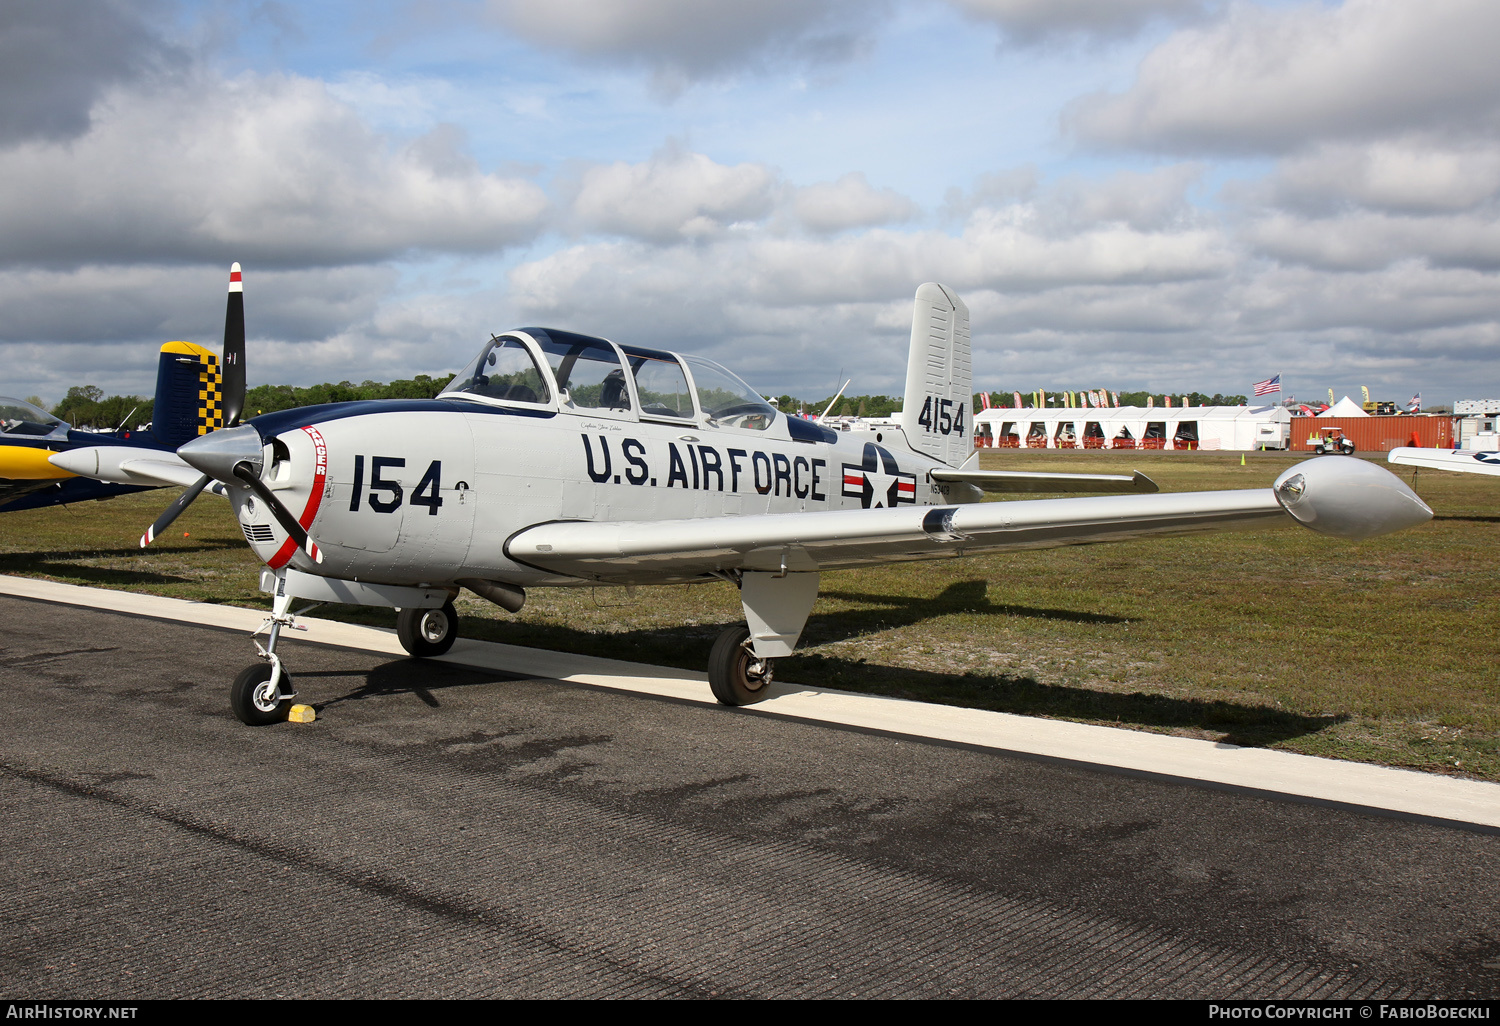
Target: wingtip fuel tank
pixel 1349 498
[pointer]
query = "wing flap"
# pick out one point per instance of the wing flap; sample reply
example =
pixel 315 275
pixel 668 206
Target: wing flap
pixel 643 551
pixel 1020 481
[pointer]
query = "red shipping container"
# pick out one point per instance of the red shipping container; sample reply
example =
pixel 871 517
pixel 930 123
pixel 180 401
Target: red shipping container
pixel 1376 434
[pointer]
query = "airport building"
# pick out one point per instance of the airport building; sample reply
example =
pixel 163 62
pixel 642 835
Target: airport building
pixel 1474 424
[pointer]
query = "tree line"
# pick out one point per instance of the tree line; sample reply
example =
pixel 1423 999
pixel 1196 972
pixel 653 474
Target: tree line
pixel 88 406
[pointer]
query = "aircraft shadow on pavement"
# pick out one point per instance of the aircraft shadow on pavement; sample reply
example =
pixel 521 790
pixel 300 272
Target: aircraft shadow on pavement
pixel 688 646
pixel 406 677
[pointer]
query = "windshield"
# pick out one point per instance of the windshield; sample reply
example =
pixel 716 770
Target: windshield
pixel 726 400
pixel 504 369
pixel 18 417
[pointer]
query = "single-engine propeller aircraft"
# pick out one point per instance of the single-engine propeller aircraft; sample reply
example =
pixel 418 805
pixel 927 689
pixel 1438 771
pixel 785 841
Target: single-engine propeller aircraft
pixel 555 459
pixel 44 462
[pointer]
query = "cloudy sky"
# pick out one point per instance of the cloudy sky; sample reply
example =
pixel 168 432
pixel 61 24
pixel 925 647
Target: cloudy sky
pixel 1161 194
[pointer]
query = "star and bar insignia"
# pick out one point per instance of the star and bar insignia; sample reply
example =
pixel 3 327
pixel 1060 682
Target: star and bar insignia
pixel 878 482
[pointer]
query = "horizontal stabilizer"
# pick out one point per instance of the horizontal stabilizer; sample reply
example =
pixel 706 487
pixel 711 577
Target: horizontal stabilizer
pixel 1020 481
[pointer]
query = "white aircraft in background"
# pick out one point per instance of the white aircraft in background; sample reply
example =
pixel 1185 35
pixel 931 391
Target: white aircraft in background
pixel 1464 461
pixel 560 460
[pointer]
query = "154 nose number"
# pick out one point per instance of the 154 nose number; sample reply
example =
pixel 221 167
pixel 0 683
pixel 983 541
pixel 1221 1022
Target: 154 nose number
pixel 385 495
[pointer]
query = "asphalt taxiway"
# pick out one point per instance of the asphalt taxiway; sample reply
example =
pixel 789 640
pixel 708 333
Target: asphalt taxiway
pixel 502 823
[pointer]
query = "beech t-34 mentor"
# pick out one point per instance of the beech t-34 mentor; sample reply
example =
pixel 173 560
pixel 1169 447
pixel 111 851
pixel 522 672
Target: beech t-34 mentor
pixel 556 459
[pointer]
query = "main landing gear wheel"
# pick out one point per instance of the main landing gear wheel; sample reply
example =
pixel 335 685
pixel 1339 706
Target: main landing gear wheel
pixel 427 632
pixel 735 674
pixel 253 701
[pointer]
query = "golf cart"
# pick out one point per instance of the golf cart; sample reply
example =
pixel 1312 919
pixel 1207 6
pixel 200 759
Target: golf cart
pixel 1331 441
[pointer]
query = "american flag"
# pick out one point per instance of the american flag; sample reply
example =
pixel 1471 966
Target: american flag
pixel 1268 386
pixel 1415 406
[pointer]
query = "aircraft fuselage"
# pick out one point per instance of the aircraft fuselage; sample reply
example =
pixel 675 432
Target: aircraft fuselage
pixel 430 491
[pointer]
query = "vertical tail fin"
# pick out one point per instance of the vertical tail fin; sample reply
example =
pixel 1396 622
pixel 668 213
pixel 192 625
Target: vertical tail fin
pixel 939 378
pixel 189 394
pixel 195 393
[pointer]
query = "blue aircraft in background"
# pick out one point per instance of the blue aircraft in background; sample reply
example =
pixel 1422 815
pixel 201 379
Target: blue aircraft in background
pixel 195 394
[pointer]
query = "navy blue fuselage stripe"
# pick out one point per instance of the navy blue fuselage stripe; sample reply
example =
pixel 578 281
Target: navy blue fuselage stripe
pixel 269 424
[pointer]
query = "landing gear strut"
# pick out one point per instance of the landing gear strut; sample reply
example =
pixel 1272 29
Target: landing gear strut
pixel 735 674
pixel 262 692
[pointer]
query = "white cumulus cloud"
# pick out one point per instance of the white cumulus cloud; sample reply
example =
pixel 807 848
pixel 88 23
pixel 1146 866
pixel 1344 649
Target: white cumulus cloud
pixel 683 41
pixel 1032 21
pixel 264 169
pixel 1269 80
pixel 850 202
pixel 674 195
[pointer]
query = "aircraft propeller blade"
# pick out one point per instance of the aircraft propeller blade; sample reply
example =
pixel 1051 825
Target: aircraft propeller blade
pixel 234 349
pixel 172 512
pixel 247 474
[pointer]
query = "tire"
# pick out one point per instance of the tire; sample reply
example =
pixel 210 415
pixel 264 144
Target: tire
pixel 1320 450
pixel 425 633
pixel 731 672
pixel 248 701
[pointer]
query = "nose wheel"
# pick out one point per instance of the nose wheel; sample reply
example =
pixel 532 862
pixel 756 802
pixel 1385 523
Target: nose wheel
pixel 425 633
pixel 262 692
pixel 258 701
pixel 735 674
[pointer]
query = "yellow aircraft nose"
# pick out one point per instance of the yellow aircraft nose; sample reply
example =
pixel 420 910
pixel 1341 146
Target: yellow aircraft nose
pixel 23 463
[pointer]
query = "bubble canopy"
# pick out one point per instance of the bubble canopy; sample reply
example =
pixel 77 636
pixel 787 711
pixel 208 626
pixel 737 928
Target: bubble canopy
pixel 18 417
pixel 589 375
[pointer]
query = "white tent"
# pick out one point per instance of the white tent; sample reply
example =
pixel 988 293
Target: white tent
pixel 1134 427
pixel 1345 407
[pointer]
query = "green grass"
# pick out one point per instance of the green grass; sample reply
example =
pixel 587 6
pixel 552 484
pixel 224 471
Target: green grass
pixel 1381 651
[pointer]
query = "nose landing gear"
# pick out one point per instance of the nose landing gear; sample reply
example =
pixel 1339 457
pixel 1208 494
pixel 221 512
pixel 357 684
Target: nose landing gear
pixel 426 625
pixel 262 692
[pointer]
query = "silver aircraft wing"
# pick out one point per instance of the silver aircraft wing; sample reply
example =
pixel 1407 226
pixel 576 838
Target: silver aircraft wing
pixel 1462 460
pixel 1335 495
pixel 1012 481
